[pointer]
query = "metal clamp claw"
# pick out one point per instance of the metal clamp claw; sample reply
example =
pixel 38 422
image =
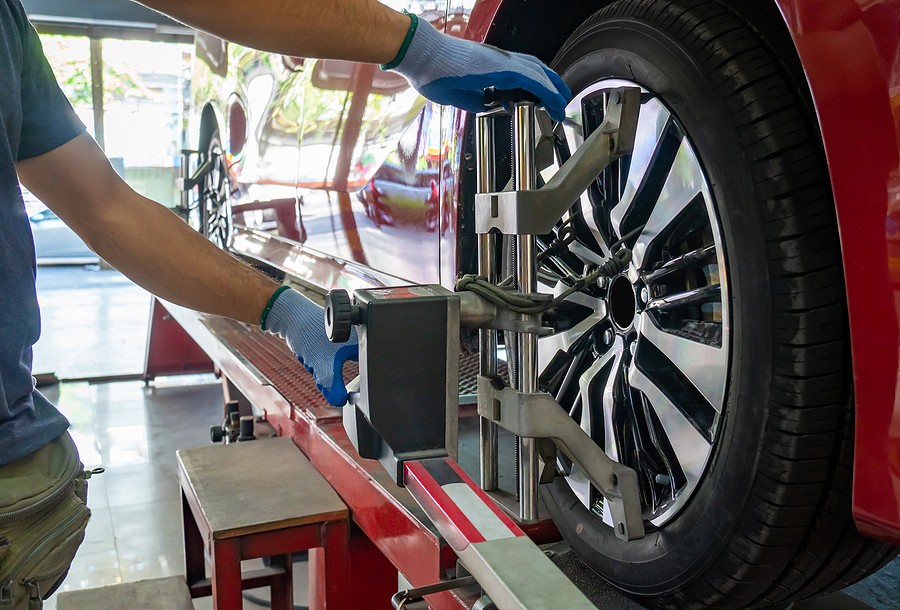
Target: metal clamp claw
pixel 539 416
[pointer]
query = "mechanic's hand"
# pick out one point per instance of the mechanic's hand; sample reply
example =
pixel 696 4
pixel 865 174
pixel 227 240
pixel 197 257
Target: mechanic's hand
pixel 301 323
pixel 452 71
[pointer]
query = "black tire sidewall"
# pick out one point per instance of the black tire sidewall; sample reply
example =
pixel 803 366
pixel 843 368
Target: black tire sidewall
pixel 684 548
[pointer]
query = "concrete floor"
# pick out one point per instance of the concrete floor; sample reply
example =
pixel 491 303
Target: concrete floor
pixel 95 325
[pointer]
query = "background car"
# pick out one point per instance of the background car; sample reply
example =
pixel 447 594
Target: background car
pixel 745 364
pixel 56 243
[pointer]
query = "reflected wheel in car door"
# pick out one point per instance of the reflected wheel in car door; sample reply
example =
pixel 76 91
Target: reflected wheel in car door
pixel 717 366
pixel 215 192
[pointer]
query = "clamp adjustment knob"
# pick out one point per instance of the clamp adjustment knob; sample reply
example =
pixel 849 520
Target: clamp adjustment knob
pixel 216 434
pixel 338 316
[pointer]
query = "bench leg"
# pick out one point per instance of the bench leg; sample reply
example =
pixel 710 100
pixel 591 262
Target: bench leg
pixel 226 575
pixel 329 569
pixel 283 584
pixel 194 562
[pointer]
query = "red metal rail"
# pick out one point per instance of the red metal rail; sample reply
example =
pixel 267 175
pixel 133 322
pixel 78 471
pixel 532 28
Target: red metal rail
pixel 265 371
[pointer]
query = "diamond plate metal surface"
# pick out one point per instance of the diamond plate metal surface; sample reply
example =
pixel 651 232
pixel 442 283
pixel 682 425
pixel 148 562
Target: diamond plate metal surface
pixel 271 356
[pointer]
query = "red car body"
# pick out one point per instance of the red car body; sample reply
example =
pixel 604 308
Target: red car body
pixel 850 51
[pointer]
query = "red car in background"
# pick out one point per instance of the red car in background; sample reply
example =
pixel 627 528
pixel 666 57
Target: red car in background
pixel 746 365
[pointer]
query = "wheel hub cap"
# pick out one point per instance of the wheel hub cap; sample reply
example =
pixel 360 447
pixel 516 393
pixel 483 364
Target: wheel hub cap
pixel 622 303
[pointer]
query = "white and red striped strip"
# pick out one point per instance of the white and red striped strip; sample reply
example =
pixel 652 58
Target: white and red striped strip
pixel 462 512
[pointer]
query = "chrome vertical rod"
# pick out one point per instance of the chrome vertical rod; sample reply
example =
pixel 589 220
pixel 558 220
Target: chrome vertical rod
pixel 526 280
pixel 185 193
pixel 487 338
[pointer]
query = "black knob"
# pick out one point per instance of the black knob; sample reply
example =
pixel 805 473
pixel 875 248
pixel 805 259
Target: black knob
pixel 216 434
pixel 338 316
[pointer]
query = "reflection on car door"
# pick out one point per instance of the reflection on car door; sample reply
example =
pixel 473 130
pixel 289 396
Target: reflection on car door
pixel 370 158
pixel 264 166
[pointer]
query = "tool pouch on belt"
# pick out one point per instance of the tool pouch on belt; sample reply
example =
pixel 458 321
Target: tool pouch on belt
pixel 43 515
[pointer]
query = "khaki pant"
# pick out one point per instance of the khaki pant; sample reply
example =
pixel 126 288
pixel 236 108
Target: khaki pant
pixel 40 533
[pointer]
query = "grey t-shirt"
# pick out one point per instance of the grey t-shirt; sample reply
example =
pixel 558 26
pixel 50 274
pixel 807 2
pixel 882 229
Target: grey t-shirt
pixel 35 118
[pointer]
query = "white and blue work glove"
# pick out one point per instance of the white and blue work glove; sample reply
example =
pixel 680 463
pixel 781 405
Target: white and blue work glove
pixel 456 72
pixel 301 323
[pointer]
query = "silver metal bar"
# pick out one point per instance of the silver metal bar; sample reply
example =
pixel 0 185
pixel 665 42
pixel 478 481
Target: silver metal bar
pixel 97 91
pixel 517 575
pixel 183 190
pixel 487 338
pixel 526 281
pixel 418 594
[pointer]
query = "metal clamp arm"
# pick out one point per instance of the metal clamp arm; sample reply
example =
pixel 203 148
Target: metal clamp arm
pixel 539 416
pixel 535 212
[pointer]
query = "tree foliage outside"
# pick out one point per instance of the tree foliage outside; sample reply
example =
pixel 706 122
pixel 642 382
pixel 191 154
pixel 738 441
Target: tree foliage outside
pixel 70 59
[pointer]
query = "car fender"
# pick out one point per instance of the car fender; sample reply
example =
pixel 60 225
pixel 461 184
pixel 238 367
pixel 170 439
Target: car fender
pixel 850 51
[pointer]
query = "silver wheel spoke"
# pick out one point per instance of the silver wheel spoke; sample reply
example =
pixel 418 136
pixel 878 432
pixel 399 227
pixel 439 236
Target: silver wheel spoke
pixel 580 485
pixel 652 124
pixel 588 389
pixel 611 445
pixel 562 341
pixel 585 300
pixel 704 365
pixel 682 186
pixel 583 252
pixel 573 134
pixel 691 448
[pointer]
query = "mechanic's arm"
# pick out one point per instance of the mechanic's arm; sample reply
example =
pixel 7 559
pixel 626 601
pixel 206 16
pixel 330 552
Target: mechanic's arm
pixel 358 30
pixel 153 247
pixel 444 69
pixel 141 238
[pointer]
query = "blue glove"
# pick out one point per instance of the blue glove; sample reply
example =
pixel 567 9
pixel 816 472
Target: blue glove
pixel 452 71
pixel 301 323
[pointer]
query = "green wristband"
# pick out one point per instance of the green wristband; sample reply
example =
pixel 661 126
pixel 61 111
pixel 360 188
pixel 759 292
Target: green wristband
pixel 265 313
pixel 414 23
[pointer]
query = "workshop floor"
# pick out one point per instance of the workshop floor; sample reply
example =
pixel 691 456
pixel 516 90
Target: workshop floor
pixel 95 325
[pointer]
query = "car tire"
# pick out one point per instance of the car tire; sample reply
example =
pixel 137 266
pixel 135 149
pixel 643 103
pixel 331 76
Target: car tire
pixel 769 521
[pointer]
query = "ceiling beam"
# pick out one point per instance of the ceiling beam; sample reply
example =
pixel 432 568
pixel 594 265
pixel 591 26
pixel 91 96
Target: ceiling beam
pixel 105 19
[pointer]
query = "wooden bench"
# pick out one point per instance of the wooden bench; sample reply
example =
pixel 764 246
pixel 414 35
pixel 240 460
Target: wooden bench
pixel 260 499
pixel 169 593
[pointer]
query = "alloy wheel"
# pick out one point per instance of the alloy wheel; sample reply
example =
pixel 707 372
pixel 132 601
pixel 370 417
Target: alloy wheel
pixel 640 360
